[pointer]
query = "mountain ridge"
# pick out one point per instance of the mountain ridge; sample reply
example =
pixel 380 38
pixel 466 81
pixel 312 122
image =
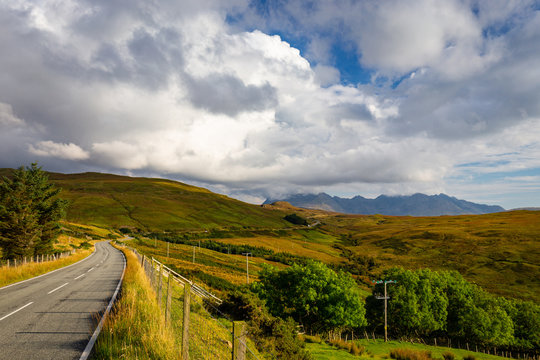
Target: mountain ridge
pixel 401 205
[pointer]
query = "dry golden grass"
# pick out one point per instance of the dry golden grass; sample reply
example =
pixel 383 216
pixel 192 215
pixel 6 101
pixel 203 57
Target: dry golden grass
pixel 136 328
pixel 15 274
pixel 301 247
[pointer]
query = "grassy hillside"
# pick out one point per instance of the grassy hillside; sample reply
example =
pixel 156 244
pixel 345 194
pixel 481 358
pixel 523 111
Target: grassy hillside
pixel 500 252
pixel 155 204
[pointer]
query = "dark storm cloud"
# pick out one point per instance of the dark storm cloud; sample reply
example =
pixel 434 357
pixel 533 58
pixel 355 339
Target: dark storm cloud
pixel 229 95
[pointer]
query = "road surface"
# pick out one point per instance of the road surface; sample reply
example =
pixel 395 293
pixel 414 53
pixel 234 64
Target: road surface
pixel 54 316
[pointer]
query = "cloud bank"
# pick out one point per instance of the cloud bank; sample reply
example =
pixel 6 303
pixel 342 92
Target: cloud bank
pixel 213 93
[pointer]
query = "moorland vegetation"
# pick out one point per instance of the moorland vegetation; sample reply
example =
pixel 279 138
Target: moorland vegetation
pixel 483 284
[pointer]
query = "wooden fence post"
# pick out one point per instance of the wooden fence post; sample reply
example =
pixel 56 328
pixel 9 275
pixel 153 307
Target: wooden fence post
pixel 160 284
pixel 169 299
pixel 239 340
pixel 185 323
pixel 152 277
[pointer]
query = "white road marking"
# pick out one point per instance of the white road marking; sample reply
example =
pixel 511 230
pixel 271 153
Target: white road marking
pixel 61 286
pixel 80 276
pixel 19 309
pixel 90 269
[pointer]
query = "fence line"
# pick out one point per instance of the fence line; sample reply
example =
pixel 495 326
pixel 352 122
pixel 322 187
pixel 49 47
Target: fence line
pixel 35 259
pixel 505 352
pixel 204 336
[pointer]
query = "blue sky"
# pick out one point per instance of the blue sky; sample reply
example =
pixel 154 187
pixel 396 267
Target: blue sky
pixel 260 99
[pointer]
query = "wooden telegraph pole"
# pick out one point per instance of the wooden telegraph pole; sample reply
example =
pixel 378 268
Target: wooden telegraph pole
pixel 247 266
pixel 385 298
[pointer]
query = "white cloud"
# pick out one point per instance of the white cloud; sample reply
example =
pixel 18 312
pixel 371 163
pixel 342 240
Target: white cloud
pixel 174 89
pixel 7 118
pixel 58 150
pixel 119 154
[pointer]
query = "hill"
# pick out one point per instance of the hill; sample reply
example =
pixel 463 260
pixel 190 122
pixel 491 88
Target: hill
pixel 151 204
pixel 414 205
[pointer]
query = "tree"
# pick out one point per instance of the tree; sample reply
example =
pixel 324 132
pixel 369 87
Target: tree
pixel 418 303
pixel 296 219
pixel 429 303
pixel 313 295
pixel 29 213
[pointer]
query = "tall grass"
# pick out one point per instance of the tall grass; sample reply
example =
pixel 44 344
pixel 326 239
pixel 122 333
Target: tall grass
pixel 136 328
pixel 410 354
pixel 10 275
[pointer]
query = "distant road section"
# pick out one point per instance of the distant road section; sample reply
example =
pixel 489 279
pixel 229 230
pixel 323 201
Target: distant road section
pixel 53 316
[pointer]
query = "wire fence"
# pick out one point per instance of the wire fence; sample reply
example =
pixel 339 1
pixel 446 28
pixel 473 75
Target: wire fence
pixel 206 332
pixel 35 259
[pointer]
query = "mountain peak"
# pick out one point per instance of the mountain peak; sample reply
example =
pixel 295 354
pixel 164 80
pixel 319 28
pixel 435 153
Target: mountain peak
pixel 414 205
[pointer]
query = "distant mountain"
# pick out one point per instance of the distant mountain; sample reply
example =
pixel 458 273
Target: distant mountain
pixel 413 205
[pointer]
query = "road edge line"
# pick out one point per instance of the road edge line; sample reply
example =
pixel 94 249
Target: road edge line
pixel 50 272
pixel 90 345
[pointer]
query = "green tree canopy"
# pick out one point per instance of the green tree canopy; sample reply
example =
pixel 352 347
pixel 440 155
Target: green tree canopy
pixel 429 303
pixel 313 295
pixel 29 213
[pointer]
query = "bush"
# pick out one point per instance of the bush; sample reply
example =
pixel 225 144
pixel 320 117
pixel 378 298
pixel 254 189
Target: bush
pixel 85 245
pixel 447 355
pixel 357 350
pixel 295 219
pixel 469 357
pixel 349 346
pixel 315 339
pixel 409 354
pixel 272 335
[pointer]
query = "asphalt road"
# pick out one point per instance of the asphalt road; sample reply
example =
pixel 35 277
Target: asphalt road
pixel 55 315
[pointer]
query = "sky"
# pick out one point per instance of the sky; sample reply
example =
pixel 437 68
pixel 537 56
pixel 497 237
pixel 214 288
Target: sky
pixel 258 99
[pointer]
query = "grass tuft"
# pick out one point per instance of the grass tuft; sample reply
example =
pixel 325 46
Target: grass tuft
pixel 136 328
pixel 409 354
pixel 447 355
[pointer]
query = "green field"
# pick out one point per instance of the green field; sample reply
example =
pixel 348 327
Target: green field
pixel 381 350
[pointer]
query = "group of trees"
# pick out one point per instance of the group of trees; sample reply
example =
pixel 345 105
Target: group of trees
pixel 430 304
pixel 29 213
pixel 423 304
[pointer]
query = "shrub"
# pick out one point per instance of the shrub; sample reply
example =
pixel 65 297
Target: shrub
pixel 447 355
pixel 274 336
pixel 295 219
pixel 357 350
pixel 340 344
pixel 469 357
pixel 351 347
pixel 409 354
pixel 85 245
pixel 315 339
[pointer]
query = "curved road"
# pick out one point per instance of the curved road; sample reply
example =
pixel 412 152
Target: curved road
pixel 54 315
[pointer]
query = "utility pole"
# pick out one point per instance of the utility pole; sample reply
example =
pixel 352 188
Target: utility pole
pixel 194 254
pixel 247 267
pixel 385 298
